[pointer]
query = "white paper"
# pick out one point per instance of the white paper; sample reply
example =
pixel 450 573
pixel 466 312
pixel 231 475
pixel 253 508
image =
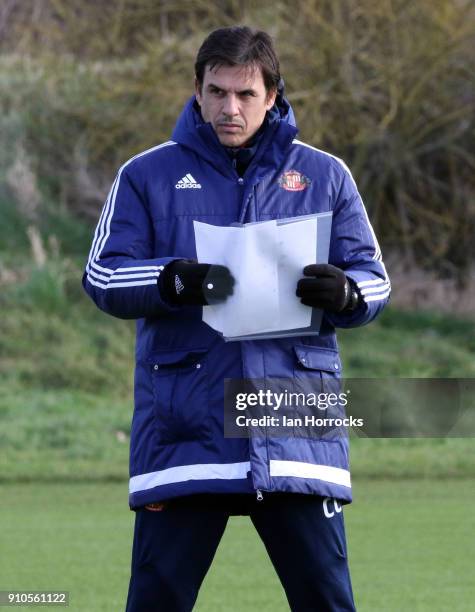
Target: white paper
pixel 211 248
pixel 297 248
pixel 266 260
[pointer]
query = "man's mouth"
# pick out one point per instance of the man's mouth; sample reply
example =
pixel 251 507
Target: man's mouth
pixel 230 127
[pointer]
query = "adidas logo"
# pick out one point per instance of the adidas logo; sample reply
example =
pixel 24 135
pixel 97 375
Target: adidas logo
pixel 187 182
pixel 179 286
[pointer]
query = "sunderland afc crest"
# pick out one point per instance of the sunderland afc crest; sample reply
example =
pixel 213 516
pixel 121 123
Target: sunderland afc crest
pixel 293 180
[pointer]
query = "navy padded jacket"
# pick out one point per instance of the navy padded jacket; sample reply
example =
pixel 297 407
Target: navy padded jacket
pixel 177 445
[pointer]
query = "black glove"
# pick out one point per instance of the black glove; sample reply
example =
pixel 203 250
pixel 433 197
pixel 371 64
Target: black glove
pixel 327 287
pixel 187 282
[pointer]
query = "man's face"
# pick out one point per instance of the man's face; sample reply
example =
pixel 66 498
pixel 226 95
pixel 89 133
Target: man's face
pixel 234 100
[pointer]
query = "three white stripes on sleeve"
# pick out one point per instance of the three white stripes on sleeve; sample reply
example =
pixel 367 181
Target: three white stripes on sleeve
pixel 132 276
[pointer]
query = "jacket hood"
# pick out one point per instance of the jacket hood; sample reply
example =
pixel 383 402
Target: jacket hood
pixel 192 132
pixel 191 118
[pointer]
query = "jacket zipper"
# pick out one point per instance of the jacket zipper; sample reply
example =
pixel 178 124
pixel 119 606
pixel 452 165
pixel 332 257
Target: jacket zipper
pixel 259 495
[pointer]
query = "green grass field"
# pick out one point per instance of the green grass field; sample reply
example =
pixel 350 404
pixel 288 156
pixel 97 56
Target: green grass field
pixel 411 547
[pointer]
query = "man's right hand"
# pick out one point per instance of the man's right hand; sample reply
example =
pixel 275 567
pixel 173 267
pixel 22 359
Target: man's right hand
pixel 187 282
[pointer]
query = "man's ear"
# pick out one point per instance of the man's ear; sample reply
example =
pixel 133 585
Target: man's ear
pixel 271 96
pixel 198 91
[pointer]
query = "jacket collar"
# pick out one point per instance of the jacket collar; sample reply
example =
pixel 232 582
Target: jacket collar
pixel 278 132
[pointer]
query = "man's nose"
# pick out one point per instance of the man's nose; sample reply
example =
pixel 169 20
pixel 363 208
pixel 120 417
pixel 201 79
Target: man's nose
pixel 230 107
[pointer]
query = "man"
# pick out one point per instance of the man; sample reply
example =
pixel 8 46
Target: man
pixel 233 157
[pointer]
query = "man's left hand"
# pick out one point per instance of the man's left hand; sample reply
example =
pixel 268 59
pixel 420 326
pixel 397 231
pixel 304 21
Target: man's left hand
pixel 326 287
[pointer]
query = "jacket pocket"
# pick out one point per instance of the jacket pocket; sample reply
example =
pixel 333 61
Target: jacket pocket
pixel 181 394
pixel 317 375
pixel 314 364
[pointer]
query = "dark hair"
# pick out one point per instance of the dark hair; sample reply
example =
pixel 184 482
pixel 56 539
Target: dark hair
pixel 239 46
